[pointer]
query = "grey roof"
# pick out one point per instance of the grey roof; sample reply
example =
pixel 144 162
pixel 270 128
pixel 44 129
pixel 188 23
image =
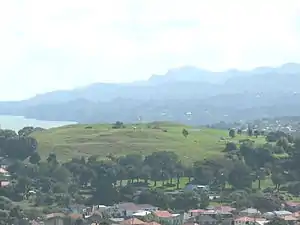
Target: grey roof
pixel 206 218
pixel 279 213
pixel 250 211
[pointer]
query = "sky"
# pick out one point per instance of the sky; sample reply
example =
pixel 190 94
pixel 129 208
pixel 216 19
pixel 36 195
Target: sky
pixel 62 44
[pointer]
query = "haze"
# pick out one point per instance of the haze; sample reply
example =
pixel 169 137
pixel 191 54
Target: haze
pixel 50 45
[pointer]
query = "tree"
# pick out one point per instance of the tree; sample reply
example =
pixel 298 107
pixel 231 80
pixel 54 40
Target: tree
pixel 52 160
pixel 35 158
pixel 230 146
pixel 283 142
pixel 250 131
pixel 277 179
pixel 203 174
pixel 240 176
pixel 256 133
pixel 239 131
pixel 185 132
pixel 232 133
pixel 25 131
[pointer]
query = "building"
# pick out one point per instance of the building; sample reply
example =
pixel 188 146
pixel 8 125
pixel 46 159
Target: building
pixel 206 220
pixel 250 221
pixel 132 221
pixel 165 217
pixel 250 212
pixel 128 209
pixel 54 219
pixel 195 187
pixel 292 206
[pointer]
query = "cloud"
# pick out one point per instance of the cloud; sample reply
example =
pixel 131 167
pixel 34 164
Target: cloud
pixel 47 45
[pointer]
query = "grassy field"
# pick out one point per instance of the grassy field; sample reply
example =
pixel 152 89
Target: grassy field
pixel 86 140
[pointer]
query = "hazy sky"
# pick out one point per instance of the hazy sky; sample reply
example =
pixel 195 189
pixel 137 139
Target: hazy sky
pixel 57 44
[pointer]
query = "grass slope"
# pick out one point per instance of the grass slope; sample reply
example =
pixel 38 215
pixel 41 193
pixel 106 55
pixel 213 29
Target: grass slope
pixel 78 140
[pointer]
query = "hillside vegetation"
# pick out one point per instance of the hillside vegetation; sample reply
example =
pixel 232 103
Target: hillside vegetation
pixel 86 140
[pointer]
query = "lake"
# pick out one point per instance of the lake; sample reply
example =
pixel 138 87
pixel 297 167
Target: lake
pixel 18 122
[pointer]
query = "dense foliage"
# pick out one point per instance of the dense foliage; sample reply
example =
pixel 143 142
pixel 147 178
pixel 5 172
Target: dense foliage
pixel 52 185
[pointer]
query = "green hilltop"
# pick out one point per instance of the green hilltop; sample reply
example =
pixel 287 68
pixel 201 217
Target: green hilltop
pixel 101 139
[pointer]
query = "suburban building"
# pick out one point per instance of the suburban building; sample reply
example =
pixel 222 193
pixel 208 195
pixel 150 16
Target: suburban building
pixel 132 221
pixel 166 217
pixel 249 221
pixel 195 187
pixel 251 212
pixel 127 209
pixel 206 220
pixel 292 206
pixel 55 219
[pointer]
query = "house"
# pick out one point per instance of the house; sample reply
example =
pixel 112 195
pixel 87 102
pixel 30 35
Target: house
pixel 95 217
pixel 290 219
pixel 166 217
pixel 54 219
pixel 206 220
pixel 195 187
pixel 245 220
pixel 292 206
pixel 132 221
pixel 152 223
pixel 196 212
pixel 4 183
pixel 141 213
pixel 250 212
pixel 127 209
pixel 3 171
pixel 225 209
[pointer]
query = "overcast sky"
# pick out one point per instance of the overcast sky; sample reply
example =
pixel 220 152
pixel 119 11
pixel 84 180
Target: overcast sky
pixel 59 44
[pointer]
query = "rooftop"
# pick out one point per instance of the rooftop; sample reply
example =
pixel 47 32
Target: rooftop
pixel 132 221
pixel 163 214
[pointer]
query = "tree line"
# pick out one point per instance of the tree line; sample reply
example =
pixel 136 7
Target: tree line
pixel 51 184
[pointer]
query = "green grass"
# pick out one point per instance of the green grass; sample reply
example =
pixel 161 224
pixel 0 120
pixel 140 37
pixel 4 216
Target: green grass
pixel 76 141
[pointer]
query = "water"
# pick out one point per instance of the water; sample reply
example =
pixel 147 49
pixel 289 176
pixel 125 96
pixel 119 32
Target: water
pixel 18 122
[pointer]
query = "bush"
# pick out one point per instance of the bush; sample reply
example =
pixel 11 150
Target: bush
pixel 118 125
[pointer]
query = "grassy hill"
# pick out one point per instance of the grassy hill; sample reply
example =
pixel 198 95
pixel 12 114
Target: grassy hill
pixel 86 140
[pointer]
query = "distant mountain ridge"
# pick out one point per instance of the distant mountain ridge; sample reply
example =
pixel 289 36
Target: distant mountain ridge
pixel 209 95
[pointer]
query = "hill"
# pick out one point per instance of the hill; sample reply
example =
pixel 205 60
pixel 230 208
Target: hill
pixel 211 96
pixel 86 140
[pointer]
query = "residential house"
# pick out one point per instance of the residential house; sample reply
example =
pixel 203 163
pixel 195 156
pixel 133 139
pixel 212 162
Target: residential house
pixel 95 217
pixel 152 223
pixel 127 209
pixel 250 212
pixel 196 212
pixel 195 187
pixel 245 220
pixel 292 206
pixel 4 183
pixel 116 220
pixel 206 220
pixel 224 209
pixel 132 221
pixel 290 219
pixel 166 217
pixel 55 219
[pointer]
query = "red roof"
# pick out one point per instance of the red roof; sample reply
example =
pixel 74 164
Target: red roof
pixel 197 211
pixel 163 214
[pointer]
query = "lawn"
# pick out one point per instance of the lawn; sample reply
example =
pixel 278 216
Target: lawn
pixel 100 139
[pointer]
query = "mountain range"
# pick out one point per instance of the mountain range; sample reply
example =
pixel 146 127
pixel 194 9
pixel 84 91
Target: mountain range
pixel 187 94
